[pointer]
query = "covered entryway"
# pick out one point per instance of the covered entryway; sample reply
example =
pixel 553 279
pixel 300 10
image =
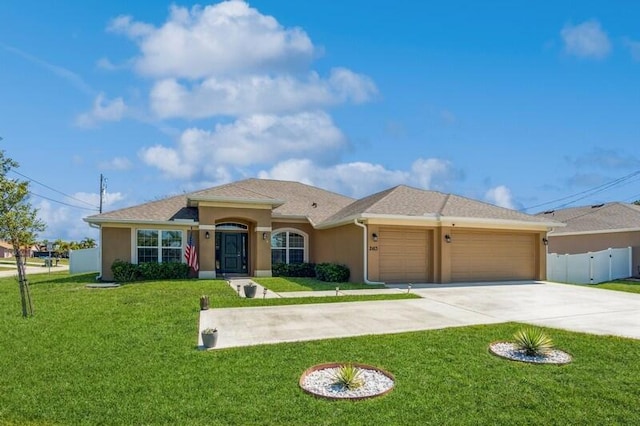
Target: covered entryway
pixel 404 254
pixel 492 256
pixel 232 248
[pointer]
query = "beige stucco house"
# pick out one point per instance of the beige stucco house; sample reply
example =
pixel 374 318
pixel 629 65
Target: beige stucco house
pixel 595 228
pixel 402 234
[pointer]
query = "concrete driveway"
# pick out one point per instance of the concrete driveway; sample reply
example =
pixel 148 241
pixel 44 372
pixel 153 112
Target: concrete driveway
pixel 563 306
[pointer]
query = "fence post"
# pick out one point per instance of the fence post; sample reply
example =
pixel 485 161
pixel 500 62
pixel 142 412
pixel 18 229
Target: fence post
pixel 566 268
pixel 630 261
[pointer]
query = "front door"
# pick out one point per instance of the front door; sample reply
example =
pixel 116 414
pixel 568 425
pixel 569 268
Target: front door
pixel 233 253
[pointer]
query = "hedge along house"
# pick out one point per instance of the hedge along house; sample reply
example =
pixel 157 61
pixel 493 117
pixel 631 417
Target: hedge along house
pixel 399 235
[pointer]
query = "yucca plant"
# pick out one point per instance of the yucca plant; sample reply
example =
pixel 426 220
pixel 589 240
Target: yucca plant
pixel 533 341
pixel 349 376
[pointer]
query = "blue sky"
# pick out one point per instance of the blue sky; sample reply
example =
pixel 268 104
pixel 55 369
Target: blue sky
pixel 527 105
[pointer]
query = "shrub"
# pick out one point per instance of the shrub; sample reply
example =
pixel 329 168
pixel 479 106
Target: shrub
pixel 348 376
pixel 127 272
pixel 124 271
pixel 293 270
pixel 332 272
pixel 533 341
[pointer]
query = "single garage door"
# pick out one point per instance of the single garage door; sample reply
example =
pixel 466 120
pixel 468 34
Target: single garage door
pixel 486 256
pixel 404 255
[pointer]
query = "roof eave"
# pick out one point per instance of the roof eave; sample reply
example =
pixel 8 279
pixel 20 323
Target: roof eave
pixel 598 231
pixel 101 221
pixel 238 200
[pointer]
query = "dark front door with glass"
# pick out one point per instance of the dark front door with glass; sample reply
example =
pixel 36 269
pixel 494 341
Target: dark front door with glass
pixel 231 252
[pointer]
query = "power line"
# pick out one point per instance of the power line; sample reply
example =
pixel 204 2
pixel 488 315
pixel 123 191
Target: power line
pixel 588 192
pixel 62 202
pixel 54 190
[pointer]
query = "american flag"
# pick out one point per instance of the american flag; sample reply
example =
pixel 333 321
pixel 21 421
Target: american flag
pixel 190 253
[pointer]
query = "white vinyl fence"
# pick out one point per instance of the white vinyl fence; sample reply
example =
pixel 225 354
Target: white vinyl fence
pixel 85 260
pixel 590 268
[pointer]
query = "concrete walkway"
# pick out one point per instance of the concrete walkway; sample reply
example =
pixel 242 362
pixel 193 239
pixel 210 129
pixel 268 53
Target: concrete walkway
pixel 30 269
pixel 563 306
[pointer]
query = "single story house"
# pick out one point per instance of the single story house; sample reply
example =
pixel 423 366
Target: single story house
pixel 6 250
pixel 402 234
pixel 597 227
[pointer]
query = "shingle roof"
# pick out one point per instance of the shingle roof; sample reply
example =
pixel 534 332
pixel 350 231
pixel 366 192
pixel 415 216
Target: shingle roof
pixel 155 211
pixel 320 207
pixel 598 218
pixel 412 202
pixel 291 199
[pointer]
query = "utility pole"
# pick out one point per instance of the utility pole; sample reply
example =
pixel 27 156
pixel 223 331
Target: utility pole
pixel 103 189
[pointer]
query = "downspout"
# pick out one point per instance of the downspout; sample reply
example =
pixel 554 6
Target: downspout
pixel 96 226
pixel 364 252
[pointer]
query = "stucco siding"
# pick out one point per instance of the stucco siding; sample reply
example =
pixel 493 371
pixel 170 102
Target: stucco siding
pixel 343 245
pixel 116 245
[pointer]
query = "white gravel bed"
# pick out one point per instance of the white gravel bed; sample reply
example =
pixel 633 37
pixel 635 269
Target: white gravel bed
pixel 322 382
pixel 511 351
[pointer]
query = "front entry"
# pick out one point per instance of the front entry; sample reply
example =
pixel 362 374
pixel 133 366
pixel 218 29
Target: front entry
pixel 231 252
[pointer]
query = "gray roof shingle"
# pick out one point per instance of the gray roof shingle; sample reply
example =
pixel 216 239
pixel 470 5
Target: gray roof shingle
pixel 598 218
pixel 320 207
pixel 412 202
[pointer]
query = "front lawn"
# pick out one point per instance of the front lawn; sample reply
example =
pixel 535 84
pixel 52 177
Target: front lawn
pixel 128 356
pixel 283 284
pixel 620 285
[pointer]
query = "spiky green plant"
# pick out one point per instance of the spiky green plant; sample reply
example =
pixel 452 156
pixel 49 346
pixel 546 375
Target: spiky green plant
pixel 533 341
pixel 349 376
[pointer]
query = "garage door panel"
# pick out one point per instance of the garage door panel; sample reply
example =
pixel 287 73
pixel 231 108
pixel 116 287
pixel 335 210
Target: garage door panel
pixel 403 254
pixel 477 256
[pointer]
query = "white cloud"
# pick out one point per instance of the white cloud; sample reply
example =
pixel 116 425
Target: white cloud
pixel 66 222
pixel 103 110
pixel 500 196
pixel 586 40
pixel 253 140
pixel 221 39
pixel 360 179
pixel 117 163
pixel 258 94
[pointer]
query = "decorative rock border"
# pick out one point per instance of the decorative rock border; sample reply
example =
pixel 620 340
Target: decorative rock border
pixel 319 381
pixel 510 351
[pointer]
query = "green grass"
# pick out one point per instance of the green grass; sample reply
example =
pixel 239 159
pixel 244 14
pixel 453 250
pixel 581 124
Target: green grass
pixel 128 356
pixel 283 284
pixel 621 285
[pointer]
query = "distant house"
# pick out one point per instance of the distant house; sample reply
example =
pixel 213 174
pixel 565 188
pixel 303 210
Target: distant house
pixel 6 250
pixel 595 228
pixel 402 234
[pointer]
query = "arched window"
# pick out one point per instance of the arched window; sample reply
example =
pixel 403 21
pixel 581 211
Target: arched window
pixel 289 246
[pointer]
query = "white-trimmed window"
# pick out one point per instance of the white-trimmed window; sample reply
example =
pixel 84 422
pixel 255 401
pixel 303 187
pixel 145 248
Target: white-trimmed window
pixel 289 246
pixel 160 246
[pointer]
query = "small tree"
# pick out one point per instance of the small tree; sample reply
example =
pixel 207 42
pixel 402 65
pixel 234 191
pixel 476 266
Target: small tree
pixel 637 202
pixel 18 223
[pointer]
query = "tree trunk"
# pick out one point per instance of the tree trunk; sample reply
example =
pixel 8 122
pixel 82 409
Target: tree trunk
pixel 25 294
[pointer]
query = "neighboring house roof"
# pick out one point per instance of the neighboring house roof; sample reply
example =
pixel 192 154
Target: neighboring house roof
pixel 5 245
pixel 600 218
pixel 405 201
pixel 323 208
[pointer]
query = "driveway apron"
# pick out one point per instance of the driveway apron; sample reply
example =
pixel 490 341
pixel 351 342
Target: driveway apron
pixel 554 305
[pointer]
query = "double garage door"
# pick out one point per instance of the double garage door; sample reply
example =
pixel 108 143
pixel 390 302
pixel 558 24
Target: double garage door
pixel 405 255
pixel 488 256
